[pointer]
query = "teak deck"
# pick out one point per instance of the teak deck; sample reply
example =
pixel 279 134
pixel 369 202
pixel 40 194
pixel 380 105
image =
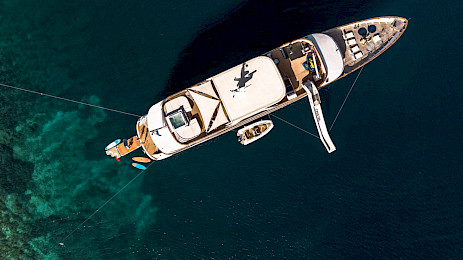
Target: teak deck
pixel 147 143
pixel 121 150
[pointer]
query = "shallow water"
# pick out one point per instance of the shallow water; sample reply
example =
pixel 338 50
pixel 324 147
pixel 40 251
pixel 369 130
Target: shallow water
pixel 391 190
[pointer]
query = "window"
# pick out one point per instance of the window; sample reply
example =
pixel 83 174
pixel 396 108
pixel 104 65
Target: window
pixel 177 119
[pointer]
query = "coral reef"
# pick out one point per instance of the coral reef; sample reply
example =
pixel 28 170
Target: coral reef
pixel 48 184
pixel 15 220
pixel 65 187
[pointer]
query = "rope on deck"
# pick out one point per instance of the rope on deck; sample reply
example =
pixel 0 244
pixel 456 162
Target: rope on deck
pixel 355 81
pixel 69 100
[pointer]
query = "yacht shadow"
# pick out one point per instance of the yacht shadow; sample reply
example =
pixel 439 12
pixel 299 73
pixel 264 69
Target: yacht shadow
pixel 254 28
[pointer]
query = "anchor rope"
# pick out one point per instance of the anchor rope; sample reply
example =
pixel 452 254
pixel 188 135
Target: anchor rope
pixel 68 100
pixel 345 99
pixel 104 204
pixel 303 130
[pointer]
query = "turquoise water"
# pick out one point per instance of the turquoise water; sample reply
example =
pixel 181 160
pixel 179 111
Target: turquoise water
pixel 391 190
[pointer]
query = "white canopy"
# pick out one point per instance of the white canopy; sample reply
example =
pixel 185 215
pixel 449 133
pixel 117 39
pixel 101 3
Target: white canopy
pixel 220 118
pixel 205 105
pixel 205 88
pixel 249 87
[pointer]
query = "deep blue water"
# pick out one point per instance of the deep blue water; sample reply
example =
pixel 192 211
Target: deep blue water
pixel 393 188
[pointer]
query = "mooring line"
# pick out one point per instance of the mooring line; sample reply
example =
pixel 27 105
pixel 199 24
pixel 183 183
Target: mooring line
pixel 104 204
pixel 339 111
pixel 69 100
pixel 295 126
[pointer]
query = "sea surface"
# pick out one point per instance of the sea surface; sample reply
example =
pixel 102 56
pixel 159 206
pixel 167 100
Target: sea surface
pixel 393 189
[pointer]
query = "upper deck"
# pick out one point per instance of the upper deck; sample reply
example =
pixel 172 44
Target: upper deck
pixel 223 100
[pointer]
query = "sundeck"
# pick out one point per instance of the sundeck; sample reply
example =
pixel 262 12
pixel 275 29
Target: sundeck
pixel 260 86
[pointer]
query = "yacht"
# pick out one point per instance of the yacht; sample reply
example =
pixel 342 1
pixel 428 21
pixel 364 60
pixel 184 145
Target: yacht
pixel 257 87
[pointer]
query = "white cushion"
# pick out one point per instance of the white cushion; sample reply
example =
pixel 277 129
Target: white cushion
pixel 349 35
pixel 351 42
pixel 354 49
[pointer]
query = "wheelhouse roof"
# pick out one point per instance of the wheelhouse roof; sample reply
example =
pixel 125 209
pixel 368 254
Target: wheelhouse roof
pixel 250 87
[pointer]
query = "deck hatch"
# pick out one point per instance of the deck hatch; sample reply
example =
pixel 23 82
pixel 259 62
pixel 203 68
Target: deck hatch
pixel 177 118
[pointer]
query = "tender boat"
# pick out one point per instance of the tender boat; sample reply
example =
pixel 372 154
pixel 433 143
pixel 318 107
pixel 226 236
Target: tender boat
pixel 254 132
pixel 260 86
